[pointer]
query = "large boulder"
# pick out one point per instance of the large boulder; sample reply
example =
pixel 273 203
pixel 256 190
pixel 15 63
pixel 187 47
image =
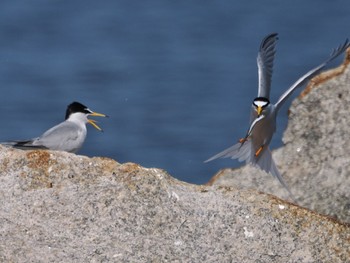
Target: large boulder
pixel 61 207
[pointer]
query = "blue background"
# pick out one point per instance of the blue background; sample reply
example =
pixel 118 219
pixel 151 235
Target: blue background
pixel 176 77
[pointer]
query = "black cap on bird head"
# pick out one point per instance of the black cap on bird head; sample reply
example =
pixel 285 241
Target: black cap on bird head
pixel 76 107
pixel 260 103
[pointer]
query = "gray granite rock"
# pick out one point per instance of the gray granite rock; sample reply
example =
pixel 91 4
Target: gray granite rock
pixel 315 160
pixel 61 207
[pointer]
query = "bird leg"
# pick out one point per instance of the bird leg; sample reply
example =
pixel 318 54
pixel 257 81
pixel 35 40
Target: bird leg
pixel 250 130
pixel 259 151
pixel 243 140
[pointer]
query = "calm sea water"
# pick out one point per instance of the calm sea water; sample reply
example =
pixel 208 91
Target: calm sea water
pixel 176 77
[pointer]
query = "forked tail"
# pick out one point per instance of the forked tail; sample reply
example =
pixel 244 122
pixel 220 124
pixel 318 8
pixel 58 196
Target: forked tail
pixel 243 152
pixel 266 163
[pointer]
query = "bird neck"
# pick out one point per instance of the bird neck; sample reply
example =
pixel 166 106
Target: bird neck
pixel 78 118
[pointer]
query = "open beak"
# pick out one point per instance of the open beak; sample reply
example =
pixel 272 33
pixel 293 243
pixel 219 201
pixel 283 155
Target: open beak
pixel 93 122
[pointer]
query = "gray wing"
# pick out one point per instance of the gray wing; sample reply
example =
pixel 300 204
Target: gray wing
pixel 63 137
pixel 242 152
pixel 66 136
pixel 265 59
pixel 24 144
pixel 336 52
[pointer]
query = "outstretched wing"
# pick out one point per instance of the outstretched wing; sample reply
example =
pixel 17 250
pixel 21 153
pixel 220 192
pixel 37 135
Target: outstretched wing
pixel 240 151
pixel 243 152
pixel 336 52
pixel 265 59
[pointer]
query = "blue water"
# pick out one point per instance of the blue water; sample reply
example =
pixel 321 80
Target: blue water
pixel 176 77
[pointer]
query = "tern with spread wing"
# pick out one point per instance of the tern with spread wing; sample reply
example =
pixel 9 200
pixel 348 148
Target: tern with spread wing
pixel 254 147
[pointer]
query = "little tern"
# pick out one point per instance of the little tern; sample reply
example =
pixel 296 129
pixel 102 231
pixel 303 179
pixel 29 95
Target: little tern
pixel 67 136
pixel 254 147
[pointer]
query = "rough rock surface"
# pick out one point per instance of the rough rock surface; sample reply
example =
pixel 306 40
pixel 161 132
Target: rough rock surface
pixel 315 160
pixel 61 207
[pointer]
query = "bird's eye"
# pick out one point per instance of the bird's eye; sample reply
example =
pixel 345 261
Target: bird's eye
pixel 87 111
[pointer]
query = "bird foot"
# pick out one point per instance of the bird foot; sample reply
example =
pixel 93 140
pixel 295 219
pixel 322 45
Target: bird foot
pixel 259 151
pixel 242 140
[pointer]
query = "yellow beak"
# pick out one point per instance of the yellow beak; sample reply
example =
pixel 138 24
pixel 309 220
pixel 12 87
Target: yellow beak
pixel 259 110
pixel 93 122
pixel 97 114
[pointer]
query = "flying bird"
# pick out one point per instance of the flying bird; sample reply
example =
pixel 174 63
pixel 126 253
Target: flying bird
pixel 254 147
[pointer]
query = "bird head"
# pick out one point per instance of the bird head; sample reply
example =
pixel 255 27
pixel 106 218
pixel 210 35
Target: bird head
pixel 77 107
pixel 260 103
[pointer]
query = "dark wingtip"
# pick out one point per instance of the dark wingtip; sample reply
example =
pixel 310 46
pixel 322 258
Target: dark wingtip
pixel 340 49
pixel 267 39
